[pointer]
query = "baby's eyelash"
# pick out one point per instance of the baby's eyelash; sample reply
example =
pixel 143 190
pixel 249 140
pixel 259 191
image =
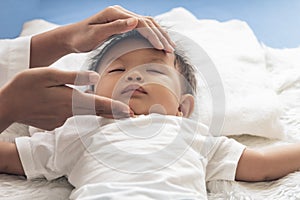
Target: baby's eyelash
pixel 155 71
pixel 116 70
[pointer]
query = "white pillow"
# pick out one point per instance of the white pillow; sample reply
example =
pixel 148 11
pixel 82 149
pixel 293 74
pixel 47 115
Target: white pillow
pixel 252 107
pixel 36 26
pixel 284 66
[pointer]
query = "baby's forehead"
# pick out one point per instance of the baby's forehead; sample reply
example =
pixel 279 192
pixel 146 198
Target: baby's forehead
pixel 134 49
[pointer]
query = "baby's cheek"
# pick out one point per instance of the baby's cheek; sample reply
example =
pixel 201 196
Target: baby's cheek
pixel 103 89
pixel 168 100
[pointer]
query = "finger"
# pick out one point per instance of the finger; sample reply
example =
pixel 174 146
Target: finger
pixel 110 14
pixel 58 77
pixel 165 34
pixel 145 30
pixel 117 27
pixel 163 40
pixel 109 107
pixel 84 104
pixel 113 22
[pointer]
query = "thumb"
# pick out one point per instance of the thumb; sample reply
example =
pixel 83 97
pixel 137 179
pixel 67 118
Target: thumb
pixel 120 26
pixel 58 77
pixel 110 108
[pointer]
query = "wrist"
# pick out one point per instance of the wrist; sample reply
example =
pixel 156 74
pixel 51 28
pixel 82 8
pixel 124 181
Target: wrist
pixel 48 47
pixel 69 36
pixel 64 40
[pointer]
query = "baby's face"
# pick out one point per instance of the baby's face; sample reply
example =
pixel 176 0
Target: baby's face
pixel 143 78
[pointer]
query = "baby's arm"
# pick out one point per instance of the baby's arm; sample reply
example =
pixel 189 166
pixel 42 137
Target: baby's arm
pixel 10 162
pixel 269 164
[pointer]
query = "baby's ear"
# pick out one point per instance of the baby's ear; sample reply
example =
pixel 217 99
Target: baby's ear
pixel 186 105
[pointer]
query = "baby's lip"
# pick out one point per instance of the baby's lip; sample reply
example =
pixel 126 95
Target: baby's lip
pixel 132 88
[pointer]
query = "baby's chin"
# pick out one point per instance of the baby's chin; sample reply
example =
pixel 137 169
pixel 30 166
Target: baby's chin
pixel 156 108
pixel 140 107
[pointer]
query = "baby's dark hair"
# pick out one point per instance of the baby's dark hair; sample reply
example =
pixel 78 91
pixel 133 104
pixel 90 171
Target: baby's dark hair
pixel 181 62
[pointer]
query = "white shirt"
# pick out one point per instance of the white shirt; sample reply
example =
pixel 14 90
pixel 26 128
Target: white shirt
pixel 14 57
pixel 149 157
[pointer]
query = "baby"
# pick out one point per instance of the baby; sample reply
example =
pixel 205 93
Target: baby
pixel 159 153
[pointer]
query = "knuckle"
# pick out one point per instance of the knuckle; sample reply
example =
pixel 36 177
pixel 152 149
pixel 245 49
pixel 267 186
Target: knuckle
pixel 25 77
pixel 20 76
pixel 151 23
pixel 51 72
pixel 52 124
pixel 110 9
pixel 141 18
pixel 60 123
pixel 42 73
pixel 117 6
pixel 51 76
pixel 149 18
pixel 26 73
pixel 61 120
pixel 120 23
pixel 113 8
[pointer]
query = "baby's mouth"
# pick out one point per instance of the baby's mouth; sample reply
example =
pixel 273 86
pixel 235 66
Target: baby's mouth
pixel 134 89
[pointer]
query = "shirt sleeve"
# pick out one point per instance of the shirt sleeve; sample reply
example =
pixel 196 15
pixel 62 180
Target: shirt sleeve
pixel 37 155
pixel 14 57
pixel 53 154
pixel 223 159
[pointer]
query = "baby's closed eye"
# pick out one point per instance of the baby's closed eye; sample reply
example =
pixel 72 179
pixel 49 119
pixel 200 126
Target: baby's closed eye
pixel 155 71
pixel 116 70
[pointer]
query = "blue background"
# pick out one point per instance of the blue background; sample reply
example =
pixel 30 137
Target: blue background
pixel 276 23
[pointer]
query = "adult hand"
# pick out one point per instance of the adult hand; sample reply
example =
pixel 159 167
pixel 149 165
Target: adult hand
pixel 39 97
pixel 115 20
pixel 88 34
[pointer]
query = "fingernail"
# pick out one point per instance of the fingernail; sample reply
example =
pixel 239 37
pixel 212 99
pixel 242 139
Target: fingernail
pixel 160 45
pixel 173 44
pixel 93 77
pixel 129 112
pixel 171 49
pixel 131 21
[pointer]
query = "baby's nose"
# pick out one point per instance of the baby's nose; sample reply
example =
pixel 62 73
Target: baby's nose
pixel 134 76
